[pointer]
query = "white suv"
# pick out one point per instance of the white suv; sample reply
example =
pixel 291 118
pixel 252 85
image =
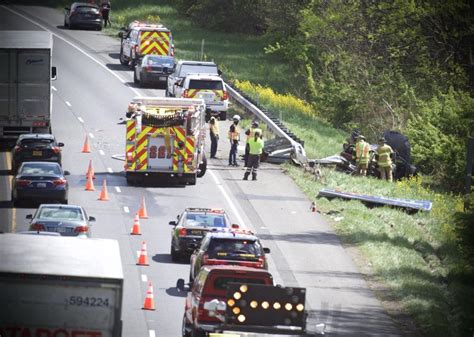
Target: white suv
pixel 210 88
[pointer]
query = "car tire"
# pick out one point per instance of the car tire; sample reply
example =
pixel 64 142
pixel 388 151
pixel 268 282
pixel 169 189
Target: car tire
pixel 65 24
pixel 192 180
pixel 135 78
pixel 174 254
pixel 202 167
pixel 123 61
pixel 185 327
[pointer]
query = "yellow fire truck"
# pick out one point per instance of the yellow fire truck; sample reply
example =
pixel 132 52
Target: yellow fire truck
pixel 165 140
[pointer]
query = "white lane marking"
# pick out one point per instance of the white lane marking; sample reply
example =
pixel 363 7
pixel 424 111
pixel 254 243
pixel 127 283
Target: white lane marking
pixel 126 209
pixel 54 88
pixel 144 278
pixel 229 200
pixel 118 189
pixel 110 170
pixel 91 135
pixel 74 46
pixel 80 120
pixel 68 104
pixel 138 253
pixel 101 153
pixel 152 333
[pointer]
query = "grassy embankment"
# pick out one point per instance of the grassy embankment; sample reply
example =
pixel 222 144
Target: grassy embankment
pixel 411 254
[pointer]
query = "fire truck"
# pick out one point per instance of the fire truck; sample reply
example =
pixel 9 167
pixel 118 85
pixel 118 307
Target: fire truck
pixel 165 140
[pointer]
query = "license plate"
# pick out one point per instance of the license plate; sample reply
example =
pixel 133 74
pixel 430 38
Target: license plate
pixel 196 232
pixel 162 78
pixel 62 229
pixel 37 153
pixel 41 185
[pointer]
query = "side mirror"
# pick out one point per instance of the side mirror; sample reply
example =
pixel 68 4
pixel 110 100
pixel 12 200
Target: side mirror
pixel 120 34
pixel 266 250
pixel 92 219
pixel 29 216
pixel 60 144
pixel 54 74
pixel 67 173
pixel 180 284
pixel 219 72
pixel 172 223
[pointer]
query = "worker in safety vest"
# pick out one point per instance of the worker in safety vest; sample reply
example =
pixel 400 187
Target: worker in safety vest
pixel 256 148
pixel 384 160
pixel 362 155
pixel 214 134
pixel 234 137
pixel 250 132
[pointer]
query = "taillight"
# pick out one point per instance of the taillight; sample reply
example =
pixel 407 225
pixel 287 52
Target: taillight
pixel 225 96
pixel 261 262
pixel 148 68
pixel 205 259
pixel 56 149
pixel 23 182
pixel 59 182
pixel 18 148
pixel 182 232
pixel 37 227
pixel 185 93
pixel 81 229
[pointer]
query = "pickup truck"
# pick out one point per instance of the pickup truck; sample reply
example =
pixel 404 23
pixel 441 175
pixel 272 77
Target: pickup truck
pixel 60 286
pixel 183 68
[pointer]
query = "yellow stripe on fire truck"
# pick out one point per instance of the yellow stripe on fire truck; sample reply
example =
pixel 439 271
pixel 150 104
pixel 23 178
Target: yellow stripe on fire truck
pixel 130 145
pixel 154 43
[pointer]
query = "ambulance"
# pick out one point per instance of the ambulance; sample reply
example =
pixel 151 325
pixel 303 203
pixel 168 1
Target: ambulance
pixel 165 140
pixel 140 39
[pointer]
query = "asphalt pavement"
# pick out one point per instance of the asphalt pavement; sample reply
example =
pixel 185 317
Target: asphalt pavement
pixel 89 98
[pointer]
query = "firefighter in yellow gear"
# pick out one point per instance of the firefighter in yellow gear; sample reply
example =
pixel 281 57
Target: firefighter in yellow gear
pixel 234 137
pixel 249 133
pixel 256 148
pixel 384 155
pixel 361 157
pixel 214 134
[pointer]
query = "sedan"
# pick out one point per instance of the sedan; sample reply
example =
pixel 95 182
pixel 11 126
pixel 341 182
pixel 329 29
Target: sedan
pixel 82 14
pixel 40 181
pixel 36 147
pixel 192 225
pixel 153 69
pixel 67 220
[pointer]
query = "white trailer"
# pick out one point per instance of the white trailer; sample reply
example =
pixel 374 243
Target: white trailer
pixel 25 82
pixel 59 286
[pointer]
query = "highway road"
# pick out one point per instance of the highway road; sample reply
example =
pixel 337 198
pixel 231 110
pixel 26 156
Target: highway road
pixel 89 98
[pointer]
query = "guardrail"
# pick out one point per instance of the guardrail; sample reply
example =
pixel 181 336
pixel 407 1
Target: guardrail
pixel 273 123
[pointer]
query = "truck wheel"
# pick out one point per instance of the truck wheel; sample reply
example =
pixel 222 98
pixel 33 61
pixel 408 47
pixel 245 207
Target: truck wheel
pixel 185 327
pixel 130 179
pixel 202 167
pixel 192 180
pixel 123 61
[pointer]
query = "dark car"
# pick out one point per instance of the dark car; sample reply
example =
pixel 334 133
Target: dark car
pixel 67 220
pixel 82 14
pixel 192 225
pixel 229 248
pixel 154 69
pixel 37 181
pixel 36 147
pixel 211 283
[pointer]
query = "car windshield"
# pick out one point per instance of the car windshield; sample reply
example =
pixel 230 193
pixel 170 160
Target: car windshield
pixel 87 9
pixel 160 61
pixel 40 169
pixel 206 85
pixel 235 246
pixel 205 220
pixel 60 213
pixel 197 69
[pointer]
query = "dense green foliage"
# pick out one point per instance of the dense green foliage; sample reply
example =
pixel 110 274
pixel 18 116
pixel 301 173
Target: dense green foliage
pixel 374 65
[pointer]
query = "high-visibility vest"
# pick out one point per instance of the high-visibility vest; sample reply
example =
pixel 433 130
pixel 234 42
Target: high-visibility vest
pixel 214 128
pixel 384 153
pixel 256 146
pixel 252 132
pixel 362 152
pixel 236 134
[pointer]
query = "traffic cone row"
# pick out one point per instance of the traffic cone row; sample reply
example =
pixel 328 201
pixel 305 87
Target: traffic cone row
pixel 149 303
pixel 86 147
pixel 136 226
pixel 90 170
pixel 104 195
pixel 142 213
pixel 143 257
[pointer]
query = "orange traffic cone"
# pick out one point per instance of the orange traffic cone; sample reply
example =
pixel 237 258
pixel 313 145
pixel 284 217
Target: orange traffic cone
pixel 143 258
pixel 86 148
pixel 90 170
pixel 313 207
pixel 142 213
pixel 136 226
pixel 149 300
pixel 104 195
pixel 89 184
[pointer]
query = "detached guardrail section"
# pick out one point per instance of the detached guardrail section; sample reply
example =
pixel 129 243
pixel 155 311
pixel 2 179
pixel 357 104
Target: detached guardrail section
pixel 273 123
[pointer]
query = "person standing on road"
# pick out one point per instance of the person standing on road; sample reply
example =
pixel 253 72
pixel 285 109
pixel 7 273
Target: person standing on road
pixel 105 11
pixel 250 132
pixel 256 148
pixel 362 155
pixel 234 137
pixel 214 133
pixel 384 160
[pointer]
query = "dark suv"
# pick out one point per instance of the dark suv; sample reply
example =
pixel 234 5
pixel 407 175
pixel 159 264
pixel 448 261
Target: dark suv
pixel 228 248
pixel 36 147
pixel 211 283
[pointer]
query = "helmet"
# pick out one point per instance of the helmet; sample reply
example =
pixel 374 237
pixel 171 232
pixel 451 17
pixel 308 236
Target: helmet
pixel 382 140
pixel 132 107
pixel 255 124
pixel 236 118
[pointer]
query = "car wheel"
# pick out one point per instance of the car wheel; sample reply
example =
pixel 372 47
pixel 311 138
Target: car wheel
pixel 135 78
pixel 202 166
pixel 123 61
pixel 65 24
pixel 174 254
pixel 185 327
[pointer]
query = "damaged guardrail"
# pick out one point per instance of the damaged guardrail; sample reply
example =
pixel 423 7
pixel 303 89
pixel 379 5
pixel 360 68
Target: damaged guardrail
pixel 269 121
